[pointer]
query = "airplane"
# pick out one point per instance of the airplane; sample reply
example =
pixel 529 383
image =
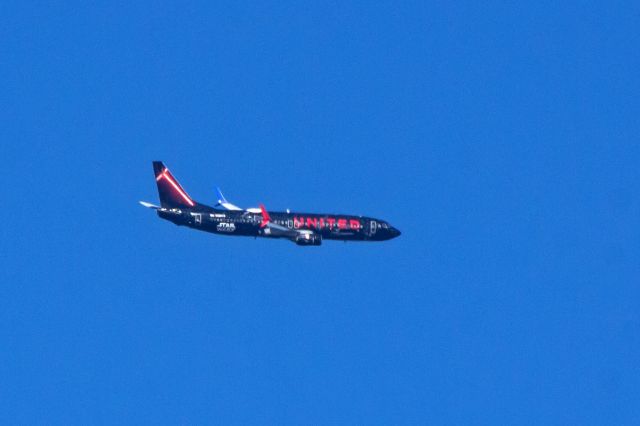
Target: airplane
pixel 304 229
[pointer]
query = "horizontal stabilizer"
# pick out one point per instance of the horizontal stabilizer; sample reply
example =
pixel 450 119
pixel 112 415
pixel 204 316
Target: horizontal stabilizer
pixel 149 205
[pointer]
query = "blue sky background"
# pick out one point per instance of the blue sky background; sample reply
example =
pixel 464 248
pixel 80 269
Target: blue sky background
pixel 502 139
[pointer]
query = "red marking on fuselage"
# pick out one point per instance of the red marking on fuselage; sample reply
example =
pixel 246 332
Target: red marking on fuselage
pixel 328 223
pixel 265 216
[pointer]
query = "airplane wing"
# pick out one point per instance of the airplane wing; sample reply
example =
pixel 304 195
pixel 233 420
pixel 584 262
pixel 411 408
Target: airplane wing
pixel 227 205
pixel 303 237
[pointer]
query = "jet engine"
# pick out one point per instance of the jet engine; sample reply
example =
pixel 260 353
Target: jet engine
pixel 308 240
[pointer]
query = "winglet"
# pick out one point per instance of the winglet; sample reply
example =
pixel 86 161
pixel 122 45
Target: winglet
pixel 221 199
pixel 265 216
pixel 224 203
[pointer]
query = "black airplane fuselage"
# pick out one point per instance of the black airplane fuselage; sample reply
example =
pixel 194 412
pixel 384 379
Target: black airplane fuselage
pixel 328 226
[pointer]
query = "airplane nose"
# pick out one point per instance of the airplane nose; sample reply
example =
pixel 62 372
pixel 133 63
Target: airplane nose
pixel 395 232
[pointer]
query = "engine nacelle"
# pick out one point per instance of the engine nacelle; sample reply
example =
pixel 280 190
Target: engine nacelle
pixel 308 240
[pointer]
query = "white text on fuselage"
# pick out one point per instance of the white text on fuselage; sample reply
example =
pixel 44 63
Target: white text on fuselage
pixel 226 227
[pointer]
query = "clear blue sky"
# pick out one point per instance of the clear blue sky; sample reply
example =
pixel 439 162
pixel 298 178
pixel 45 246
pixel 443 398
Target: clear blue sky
pixel 501 139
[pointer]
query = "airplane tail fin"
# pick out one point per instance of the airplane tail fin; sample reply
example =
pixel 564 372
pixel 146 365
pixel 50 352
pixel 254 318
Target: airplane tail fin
pixel 171 193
